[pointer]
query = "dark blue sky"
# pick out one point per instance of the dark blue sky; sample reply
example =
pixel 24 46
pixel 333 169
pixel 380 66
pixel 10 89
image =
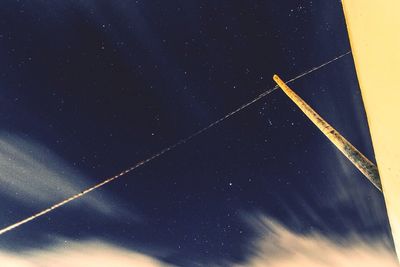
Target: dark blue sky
pixel 88 88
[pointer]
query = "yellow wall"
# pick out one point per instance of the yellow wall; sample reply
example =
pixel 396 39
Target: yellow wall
pixel 374 31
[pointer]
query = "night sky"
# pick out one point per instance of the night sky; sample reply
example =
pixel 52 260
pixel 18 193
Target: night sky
pixel 89 88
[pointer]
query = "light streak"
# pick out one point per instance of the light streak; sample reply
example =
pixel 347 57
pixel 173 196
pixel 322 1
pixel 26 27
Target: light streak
pixel 160 153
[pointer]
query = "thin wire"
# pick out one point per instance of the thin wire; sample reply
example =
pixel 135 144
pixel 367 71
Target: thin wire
pixel 165 150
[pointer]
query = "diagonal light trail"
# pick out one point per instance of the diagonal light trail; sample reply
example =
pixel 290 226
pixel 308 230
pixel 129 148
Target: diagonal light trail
pixel 160 153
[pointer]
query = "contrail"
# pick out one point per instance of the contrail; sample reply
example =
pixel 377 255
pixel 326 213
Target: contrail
pixel 165 150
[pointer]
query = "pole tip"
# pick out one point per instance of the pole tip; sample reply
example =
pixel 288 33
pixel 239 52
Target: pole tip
pixel 276 77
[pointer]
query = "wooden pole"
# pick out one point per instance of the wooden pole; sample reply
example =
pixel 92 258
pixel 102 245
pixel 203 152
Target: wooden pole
pixel 356 157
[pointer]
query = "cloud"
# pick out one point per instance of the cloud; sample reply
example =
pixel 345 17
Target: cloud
pixel 34 176
pixel 278 246
pixel 94 253
pixel 274 246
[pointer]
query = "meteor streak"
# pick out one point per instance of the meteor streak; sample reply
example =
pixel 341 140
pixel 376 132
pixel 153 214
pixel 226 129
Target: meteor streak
pixel 165 150
pixel 356 157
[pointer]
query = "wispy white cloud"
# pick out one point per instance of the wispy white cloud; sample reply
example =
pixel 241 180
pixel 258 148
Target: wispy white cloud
pixel 276 246
pixel 32 175
pixel 349 189
pixel 93 253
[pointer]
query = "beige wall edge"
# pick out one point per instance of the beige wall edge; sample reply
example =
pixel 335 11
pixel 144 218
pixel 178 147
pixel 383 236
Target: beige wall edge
pixel 373 28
